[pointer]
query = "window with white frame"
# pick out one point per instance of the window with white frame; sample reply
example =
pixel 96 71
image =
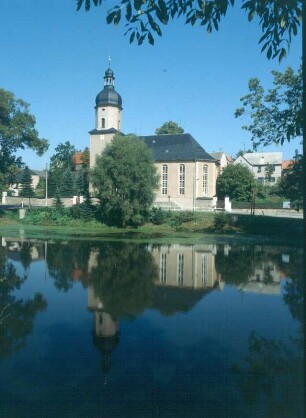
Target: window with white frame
pixel 182 179
pixel 103 123
pixel 205 180
pixel 163 268
pixel 164 179
pixel 204 269
pixel 180 269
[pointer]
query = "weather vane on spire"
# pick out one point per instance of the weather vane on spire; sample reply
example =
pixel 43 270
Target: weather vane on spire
pixel 109 61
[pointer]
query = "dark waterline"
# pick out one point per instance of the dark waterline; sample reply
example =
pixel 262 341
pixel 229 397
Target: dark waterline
pixel 115 329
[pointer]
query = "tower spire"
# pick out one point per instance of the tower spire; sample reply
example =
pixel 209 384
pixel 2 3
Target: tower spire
pixel 109 79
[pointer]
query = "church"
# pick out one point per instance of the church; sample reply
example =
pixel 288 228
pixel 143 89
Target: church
pixel 187 172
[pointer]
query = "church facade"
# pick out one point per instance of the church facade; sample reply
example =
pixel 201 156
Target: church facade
pixel 187 172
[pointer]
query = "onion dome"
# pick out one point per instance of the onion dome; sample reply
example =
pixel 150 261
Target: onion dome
pixel 108 96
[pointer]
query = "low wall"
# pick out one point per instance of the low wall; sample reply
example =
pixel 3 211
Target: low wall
pixel 34 201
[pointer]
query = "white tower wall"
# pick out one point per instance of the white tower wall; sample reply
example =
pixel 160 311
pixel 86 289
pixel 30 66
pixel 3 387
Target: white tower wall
pixel 108 117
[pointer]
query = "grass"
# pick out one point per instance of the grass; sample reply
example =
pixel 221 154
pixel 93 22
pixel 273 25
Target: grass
pixel 184 227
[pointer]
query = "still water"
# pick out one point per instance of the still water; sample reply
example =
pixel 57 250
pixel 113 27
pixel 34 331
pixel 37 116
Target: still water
pixel 114 329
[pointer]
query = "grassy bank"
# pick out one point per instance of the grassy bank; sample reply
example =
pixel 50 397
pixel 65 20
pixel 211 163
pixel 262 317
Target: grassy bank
pixel 164 227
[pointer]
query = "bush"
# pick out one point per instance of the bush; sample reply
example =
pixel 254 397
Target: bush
pixel 47 216
pixel 158 216
pixel 85 211
pixel 223 221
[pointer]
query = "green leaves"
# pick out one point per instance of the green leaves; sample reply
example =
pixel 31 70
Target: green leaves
pixel 279 20
pixel 17 131
pixel 237 182
pixel 169 128
pixel 124 180
pixel 87 4
pixel 275 116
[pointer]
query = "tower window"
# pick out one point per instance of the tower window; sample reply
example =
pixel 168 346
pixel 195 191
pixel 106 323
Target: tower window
pixel 164 179
pixel 205 180
pixel 182 179
pixel 103 123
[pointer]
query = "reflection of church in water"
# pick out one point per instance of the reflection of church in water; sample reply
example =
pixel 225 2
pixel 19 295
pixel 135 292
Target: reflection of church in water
pixel 186 266
pixel 182 276
pixel 185 274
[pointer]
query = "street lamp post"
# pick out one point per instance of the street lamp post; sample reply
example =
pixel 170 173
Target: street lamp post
pixel 46 204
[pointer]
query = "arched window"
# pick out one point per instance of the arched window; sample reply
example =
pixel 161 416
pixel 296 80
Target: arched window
pixel 103 123
pixel 164 179
pixel 182 179
pixel 205 180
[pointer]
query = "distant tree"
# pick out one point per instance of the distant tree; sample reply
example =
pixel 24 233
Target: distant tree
pixel 269 170
pixel 237 182
pixel 2 183
pixel 57 201
pixel 17 131
pixel 67 189
pixel 87 209
pixel 51 183
pixel 41 187
pixel 241 152
pixel 82 174
pixel 62 160
pixel 63 157
pixel 26 184
pixel 276 116
pixel 291 183
pixel 86 169
pixel 279 20
pixel 169 128
pixel 80 184
pixel 124 180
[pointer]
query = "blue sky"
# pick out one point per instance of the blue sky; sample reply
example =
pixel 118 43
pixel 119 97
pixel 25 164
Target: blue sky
pixel 54 58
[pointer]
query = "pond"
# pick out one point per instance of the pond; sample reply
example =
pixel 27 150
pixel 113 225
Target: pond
pixel 121 329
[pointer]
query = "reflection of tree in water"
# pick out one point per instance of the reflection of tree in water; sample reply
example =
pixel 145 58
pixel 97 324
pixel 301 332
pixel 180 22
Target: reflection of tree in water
pixel 25 255
pixel 239 264
pixel 271 373
pixel 16 316
pixel 236 267
pixel 123 278
pixel 65 258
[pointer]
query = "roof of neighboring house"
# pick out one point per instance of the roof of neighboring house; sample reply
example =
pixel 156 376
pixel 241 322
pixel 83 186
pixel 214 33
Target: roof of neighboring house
pixel 180 147
pixel 286 164
pixel 216 155
pixel 40 174
pixel 77 158
pixel 263 158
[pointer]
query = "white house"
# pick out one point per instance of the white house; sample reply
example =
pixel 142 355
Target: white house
pixel 260 162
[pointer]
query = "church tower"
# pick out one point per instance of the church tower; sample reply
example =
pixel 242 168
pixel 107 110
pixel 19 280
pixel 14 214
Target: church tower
pixel 108 116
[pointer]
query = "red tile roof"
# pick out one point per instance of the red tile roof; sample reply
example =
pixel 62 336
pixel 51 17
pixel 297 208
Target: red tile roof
pixel 286 164
pixel 77 158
